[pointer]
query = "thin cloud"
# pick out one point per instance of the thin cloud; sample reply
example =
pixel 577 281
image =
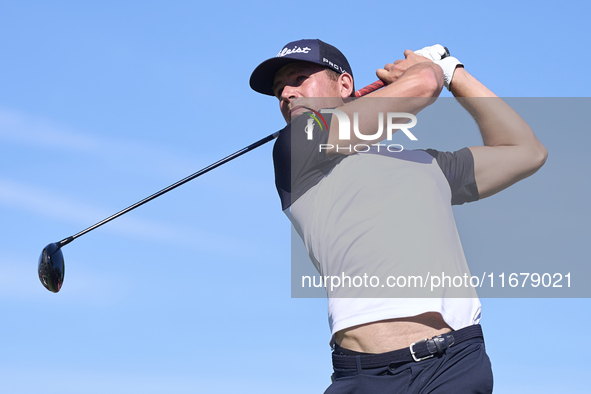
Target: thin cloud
pixel 53 206
pixel 23 129
pixel 42 133
pixel 127 155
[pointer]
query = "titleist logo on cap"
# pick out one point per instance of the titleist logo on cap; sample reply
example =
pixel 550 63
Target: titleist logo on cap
pixel 286 51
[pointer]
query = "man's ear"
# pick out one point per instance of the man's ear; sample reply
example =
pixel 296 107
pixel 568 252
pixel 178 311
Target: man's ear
pixel 345 85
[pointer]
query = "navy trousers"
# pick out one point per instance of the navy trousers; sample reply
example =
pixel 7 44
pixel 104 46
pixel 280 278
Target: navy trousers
pixel 462 369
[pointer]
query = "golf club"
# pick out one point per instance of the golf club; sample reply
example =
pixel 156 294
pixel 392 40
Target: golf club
pixel 51 267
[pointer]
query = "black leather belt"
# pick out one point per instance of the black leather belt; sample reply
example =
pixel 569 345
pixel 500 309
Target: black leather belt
pixel 417 351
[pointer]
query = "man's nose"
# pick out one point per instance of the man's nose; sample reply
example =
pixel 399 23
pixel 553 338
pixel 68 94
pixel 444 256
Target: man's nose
pixel 290 92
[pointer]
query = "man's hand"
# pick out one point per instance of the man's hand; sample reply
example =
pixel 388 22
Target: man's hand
pixel 440 55
pixel 392 71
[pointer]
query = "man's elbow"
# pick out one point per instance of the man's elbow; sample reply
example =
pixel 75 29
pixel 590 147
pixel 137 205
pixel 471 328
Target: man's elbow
pixel 537 157
pixel 542 155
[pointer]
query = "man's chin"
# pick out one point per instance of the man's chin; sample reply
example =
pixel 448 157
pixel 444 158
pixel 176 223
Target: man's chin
pixel 297 111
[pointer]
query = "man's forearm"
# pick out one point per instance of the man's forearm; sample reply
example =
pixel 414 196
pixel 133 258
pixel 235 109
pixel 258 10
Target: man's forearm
pixel 414 89
pixel 423 79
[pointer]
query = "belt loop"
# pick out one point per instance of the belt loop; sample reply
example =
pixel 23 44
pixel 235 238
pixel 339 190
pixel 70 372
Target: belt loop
pixel 358 361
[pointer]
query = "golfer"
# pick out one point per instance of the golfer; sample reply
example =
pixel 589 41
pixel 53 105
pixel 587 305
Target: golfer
pixel 380 211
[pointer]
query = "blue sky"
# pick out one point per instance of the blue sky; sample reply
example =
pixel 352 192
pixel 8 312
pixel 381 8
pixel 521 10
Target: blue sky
pixel 104 103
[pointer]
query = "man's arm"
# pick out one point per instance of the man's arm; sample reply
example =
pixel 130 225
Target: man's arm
pixel 413 76
pixel 511 151
pixel 412 84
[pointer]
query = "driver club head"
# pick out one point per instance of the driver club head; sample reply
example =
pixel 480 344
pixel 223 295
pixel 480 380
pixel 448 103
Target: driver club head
pixel 51 267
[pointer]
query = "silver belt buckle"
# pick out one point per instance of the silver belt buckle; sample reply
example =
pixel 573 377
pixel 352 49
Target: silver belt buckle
pixel 412 352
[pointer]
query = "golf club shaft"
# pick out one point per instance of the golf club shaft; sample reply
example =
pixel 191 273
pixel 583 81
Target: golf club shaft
pixel 173 186
pixel 226 159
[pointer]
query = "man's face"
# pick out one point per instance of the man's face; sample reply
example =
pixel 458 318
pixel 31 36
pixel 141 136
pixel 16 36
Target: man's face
pixel 296 82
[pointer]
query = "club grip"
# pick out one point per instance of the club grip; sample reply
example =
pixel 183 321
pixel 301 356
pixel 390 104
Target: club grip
pixel 369 88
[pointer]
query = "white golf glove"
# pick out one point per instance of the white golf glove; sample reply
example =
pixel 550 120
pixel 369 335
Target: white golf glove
pixel 440 56
pixel 434 52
